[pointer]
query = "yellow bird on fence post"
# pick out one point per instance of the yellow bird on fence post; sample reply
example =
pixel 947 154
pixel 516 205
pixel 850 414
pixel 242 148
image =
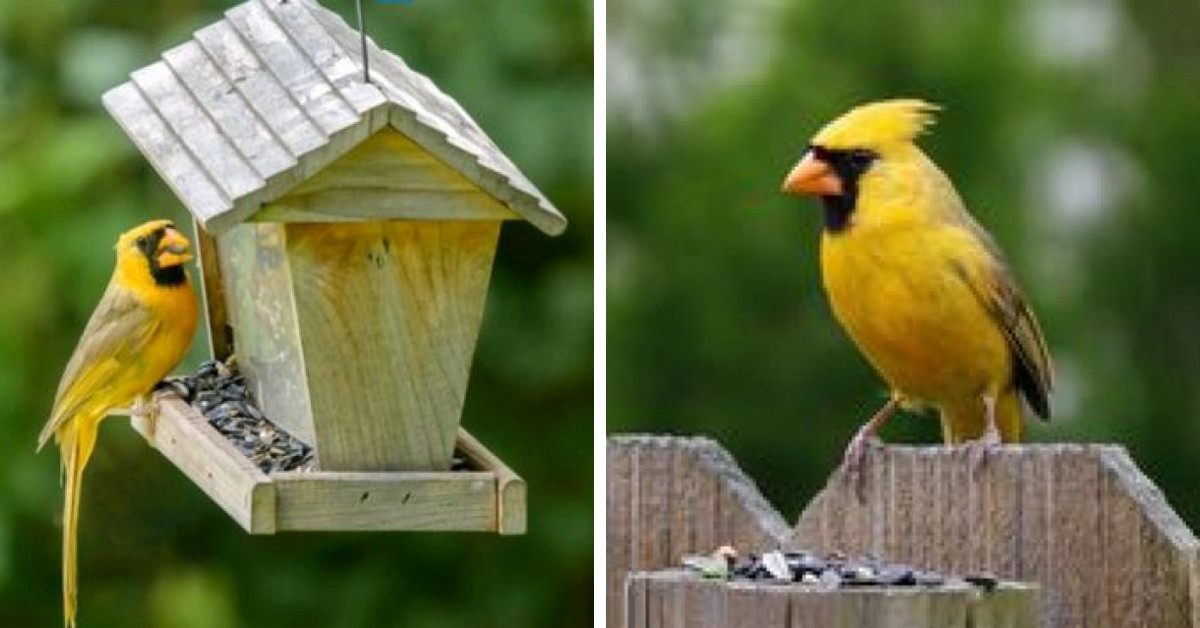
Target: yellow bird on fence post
pixel 918 285
pixel 141 330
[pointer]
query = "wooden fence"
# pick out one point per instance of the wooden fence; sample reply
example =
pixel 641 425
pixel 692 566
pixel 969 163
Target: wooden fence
pixel 673 496
pixel 674 599
pixel 1080 521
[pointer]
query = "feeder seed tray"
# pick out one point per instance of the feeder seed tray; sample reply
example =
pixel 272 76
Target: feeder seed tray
pixel 489 498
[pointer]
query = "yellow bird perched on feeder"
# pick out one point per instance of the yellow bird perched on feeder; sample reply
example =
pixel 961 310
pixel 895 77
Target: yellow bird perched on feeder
pixel 139 332
pixel 919 286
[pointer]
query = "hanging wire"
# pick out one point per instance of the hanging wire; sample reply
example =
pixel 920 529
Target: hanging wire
pixel 362 32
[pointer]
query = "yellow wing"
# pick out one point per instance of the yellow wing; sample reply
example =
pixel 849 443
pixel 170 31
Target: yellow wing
pixel 119 331
pixel 991 281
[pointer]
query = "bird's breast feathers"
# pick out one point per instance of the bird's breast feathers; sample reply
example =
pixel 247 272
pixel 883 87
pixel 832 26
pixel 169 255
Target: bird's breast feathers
pixel 899 295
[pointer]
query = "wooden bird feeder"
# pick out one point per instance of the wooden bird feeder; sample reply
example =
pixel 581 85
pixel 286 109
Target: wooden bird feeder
pixel 346 231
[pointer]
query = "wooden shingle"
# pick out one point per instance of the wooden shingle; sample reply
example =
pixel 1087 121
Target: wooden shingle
pixel 260 101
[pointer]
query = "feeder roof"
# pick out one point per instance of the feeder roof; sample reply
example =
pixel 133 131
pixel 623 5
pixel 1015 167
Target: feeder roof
pixel 258 102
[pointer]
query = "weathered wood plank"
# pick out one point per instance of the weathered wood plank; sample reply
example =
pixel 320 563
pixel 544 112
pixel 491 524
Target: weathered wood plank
pixel 468 501
pixel 339 69
pixel 292 68
pixel 1166 549
pixel 274 93
pixel 1080 520
pixel 212 288
pixel 620 502
pixel 744 606
pixel 326 106
pixel 165 151
pixel 377 204
pixel 673 599
pixel 387 176
pixel 270 100
pixel 212 463
pixel 414 500
pixel 389 313
pixel 435 121
pixel 507 186
pixel 390 161
pixel 229 109
pixel 510 488
pixel 259 302
pixel 670 496
pixel 228 168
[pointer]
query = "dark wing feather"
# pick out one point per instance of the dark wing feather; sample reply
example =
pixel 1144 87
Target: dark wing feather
pixel 120 327
pixel 1032 372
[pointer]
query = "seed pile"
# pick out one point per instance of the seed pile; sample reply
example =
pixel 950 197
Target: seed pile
pixel 832 571
pixel 219 392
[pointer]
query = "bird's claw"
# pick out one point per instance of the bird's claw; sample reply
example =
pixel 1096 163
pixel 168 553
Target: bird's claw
pixel 978 451
pixel 145 414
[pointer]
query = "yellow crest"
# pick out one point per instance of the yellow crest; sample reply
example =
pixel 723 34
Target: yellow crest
pixel 878 124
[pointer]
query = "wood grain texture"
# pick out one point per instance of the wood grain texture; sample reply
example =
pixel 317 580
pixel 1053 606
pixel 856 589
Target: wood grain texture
pixel 263 92
pixel 166 152
pixel 387 176
pixel 212 463
pixel 388 313
pixel 1080 520
pixel 420 110
pixel 231 171
pixel 219 99
pixel 272 93
pixel 212 289
pixel 670 496
pixel 674 599
pixel 261 308
pixel 413 500
pixel 291 67
pixel 510 488
pixel 463 501
pixel 338 68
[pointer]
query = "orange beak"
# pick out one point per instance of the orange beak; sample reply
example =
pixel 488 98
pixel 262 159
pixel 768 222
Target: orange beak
pixel 813 177
pixel 174 249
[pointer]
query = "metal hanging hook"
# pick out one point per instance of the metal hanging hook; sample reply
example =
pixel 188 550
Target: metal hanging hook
pixel 362 32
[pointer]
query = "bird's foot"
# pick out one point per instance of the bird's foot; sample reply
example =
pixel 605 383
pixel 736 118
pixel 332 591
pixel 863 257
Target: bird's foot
pixel 144 415
pixel 854 462
pixel 979 450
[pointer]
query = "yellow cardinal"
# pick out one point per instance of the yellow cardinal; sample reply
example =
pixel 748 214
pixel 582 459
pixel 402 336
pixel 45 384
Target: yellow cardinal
pixel 919 286
pixel 139 332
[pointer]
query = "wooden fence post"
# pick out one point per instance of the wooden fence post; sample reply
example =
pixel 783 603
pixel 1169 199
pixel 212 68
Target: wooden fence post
pixel 1080 520
pixel 676 599
pixel 670 496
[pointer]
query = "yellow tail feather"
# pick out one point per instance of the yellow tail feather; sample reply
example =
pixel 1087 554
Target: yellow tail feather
pixel 964 421
pixel 76 440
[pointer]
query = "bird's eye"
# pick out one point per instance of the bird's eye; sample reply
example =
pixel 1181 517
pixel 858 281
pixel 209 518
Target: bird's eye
pixel 862 158
pixel 141 242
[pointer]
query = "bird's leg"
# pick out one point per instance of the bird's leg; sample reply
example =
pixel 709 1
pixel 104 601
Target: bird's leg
pixel 979 449
pixel 867 435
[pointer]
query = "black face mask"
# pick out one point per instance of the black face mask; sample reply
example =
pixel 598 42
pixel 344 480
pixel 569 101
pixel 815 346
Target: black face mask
pixel 849 165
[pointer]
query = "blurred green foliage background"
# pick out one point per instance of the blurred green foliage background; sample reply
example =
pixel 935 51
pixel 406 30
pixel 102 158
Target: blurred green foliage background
pixel 154 550
pixel 1071 128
